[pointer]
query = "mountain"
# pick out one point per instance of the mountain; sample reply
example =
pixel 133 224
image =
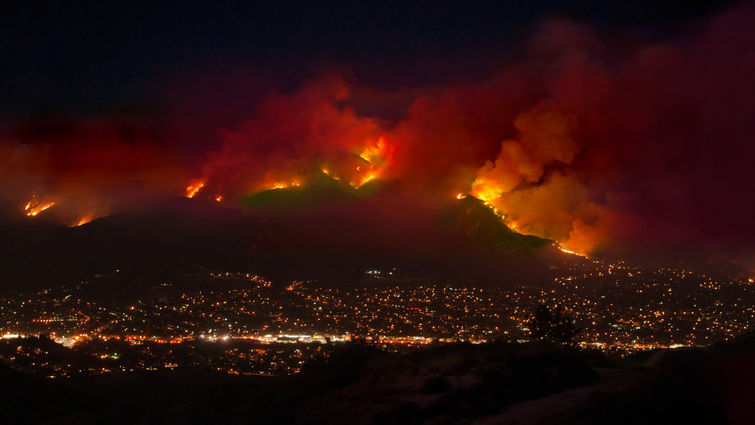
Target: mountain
pixel 326 231
pixel 471 219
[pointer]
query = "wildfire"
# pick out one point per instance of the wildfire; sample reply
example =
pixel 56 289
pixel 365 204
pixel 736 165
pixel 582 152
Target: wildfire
pixel 34 206
pixel 568 251
pixel 328 173
pixel 284 185
pixel 83 220
pixel 368 178
pixel 485 191
pixel 194 188
pixel 219 198
pixel 39 208
pixel 375 156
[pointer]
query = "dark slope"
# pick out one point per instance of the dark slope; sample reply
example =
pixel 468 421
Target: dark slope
pixel 327 232
pixel 471 219
pixel 36 253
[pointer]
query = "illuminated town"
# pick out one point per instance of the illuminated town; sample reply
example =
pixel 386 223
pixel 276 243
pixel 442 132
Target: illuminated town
pixel 240 323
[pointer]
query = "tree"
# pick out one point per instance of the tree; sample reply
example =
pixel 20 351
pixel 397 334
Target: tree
pixel 553 326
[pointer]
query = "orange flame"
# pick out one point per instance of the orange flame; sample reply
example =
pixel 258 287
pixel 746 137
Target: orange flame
pixel 194 188
pixel 485 190
pixel 327 172
pixel 375 154
pixel 366 179
pixel 34 206
pixel 83 220
pixel 569 251
pixel 284 185
pixel 376 157
pixel 39 208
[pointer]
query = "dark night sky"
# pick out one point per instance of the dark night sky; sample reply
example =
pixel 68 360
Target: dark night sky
pixel 94 57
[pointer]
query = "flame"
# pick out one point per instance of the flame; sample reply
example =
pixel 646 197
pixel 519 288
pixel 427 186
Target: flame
pixel 488 192
pixel 34 206
pixel 328 173
pixel 376 153
pixel 366 179
pixel 218 198
pixel 485 190
pixel 33 211
pixel 569 251
pixel 83 220
pixel 284 185
pixel 194 188
pixel 376 157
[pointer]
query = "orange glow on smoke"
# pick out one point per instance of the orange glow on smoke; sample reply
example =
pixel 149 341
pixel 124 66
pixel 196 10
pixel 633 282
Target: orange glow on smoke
pixel 376 153
pixel 485 190
pixel 194 188
pixel 376 157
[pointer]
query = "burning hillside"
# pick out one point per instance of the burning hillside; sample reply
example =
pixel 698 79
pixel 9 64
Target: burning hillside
pixel 595 151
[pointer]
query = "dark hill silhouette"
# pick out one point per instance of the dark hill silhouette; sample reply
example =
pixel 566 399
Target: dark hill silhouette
pixel 471 219
pixel 326 231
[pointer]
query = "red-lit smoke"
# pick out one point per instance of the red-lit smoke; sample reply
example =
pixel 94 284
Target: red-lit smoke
pixel 590 144
pixel 86 169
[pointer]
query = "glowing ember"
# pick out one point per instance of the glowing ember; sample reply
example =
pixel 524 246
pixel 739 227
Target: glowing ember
pixel 193 189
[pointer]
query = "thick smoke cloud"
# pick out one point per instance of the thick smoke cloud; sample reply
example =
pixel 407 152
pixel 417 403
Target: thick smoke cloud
pixel 643 147
pixel 87 169
pixel 291 136
pixel 598 146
